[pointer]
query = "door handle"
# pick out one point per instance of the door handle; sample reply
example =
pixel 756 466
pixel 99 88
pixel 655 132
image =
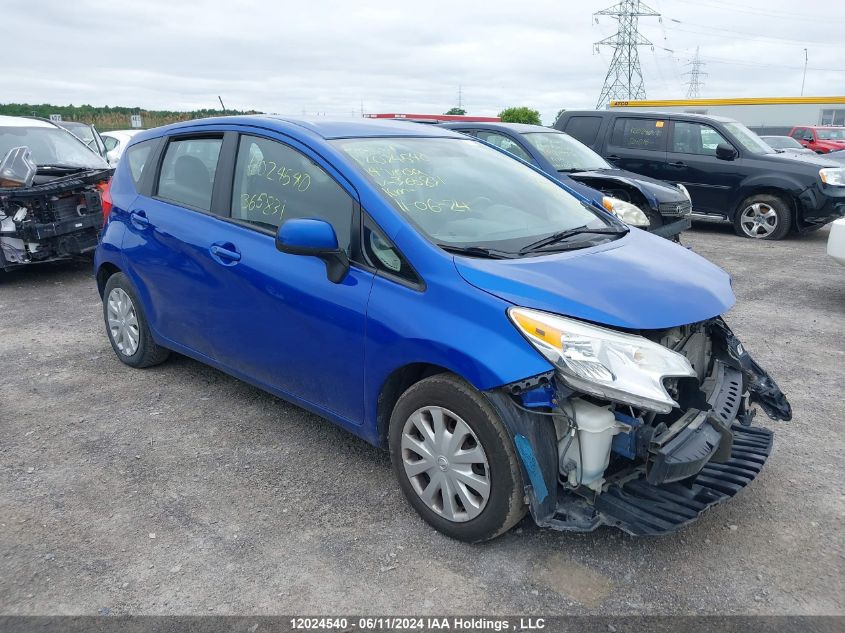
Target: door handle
pixel 614 157
pixel 139 219
pixel 226 254
pixel 678 163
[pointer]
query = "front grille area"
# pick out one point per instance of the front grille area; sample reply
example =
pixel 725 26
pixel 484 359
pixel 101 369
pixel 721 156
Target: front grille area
pixel 682 207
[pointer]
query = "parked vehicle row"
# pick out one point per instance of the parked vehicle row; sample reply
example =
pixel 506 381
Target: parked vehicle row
pixel 641 201
pixel 515 349
pixel 729 171
pixel 50 184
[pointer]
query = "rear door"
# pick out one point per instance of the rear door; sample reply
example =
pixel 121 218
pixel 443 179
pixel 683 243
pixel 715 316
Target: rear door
pixel 691 161
pixel 166 245
pixel 638 144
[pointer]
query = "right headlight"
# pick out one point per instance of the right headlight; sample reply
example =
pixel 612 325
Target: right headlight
pixel 834 176
pixel 613 365
pixel 625 211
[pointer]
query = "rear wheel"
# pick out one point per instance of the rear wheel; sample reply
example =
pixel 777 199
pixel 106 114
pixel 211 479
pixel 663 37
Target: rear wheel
pixel 127 327
pixel 763 217
pixel 454 460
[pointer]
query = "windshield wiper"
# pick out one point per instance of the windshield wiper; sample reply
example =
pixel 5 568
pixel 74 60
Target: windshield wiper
pixel 476 251
pixel 578 230
pixel 62 167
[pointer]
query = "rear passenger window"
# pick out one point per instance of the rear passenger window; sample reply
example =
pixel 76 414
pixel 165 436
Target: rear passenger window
pixel 187 171
pixel 137 156
pixel 584 128
pixel 274 183
pixel 642 134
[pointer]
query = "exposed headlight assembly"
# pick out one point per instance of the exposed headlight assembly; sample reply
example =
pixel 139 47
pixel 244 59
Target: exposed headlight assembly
pixel 606 363
pixel 625 211
pixel 834 176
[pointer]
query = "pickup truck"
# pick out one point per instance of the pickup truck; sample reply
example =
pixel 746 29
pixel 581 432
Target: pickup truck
pixel 730 173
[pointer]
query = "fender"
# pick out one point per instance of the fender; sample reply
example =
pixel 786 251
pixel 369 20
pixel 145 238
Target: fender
pixel 782 182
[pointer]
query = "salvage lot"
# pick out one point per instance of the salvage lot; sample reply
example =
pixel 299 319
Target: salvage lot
pixel 180 490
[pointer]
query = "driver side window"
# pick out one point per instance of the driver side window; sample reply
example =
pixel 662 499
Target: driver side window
pixel 274 183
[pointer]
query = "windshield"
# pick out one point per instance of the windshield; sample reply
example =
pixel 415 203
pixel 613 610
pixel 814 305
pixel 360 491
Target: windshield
pixel 782 142
pixel 564 152
pixel 748 139
pixel 50 146
pixel 462 193
pixel 837 134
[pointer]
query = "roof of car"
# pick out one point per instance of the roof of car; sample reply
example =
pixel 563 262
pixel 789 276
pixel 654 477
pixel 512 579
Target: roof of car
pixel 22 121
pixel 522 128
pixel 647 113
pixel 324 128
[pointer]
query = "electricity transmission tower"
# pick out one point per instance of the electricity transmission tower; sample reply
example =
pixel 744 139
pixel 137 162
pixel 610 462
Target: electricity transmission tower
pixel 696 81
pixel 624 79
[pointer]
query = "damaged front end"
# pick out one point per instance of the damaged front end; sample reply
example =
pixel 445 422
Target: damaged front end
pixel 646 457
pixel 46 218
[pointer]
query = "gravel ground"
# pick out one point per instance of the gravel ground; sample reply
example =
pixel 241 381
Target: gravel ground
pixel 179 490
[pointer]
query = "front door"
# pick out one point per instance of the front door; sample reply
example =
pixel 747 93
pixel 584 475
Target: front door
pixel 691 161
pixel 287 325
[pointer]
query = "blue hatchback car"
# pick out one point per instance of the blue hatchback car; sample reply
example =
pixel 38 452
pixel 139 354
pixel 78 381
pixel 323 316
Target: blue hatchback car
pixel 514 348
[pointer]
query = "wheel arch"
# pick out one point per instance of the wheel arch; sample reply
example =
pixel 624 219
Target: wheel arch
pixel 106 270
pixel 396 383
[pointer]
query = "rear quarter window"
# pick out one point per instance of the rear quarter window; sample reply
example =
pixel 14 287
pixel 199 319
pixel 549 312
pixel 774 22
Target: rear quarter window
pixel 137 158
pixel 584 128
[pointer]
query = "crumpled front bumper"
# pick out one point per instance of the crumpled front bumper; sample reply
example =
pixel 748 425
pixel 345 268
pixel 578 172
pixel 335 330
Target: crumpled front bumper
pixel 708 461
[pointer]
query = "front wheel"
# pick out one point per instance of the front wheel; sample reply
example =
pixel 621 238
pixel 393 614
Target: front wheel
pixel 763 217
pixel 454 460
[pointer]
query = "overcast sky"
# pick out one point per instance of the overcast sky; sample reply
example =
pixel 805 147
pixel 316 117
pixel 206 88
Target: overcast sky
pixel 318 56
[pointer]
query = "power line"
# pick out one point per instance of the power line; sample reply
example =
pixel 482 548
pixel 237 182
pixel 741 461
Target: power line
pixel 759 11
pixel 695 83
pixel 624 79
pixel 731 34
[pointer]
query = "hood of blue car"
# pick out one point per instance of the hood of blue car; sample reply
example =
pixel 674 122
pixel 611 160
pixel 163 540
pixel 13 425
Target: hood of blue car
pixel 640 282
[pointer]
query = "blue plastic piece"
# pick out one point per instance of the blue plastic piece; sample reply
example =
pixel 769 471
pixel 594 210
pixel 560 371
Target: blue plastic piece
pixel 538 397
pixel 625 444
pixel 535 475
pixel 306 234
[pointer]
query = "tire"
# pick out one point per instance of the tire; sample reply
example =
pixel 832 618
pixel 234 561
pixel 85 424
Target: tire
pixel 763 217
pixel 467 418
pixel 130 338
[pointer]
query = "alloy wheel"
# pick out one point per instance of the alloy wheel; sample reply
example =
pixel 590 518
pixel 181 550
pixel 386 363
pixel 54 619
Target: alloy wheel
pixel 445 463
pixel 123 322
pixel 758 220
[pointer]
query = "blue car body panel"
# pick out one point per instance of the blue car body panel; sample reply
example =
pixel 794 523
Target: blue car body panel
pixel 274 319
pixel 612 284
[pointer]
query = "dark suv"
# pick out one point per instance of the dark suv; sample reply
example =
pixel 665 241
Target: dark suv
pixel 729 172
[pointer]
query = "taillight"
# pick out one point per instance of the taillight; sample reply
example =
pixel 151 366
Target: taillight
pixel 105 197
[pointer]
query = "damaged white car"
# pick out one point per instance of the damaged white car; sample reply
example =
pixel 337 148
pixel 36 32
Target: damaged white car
pixel 50 193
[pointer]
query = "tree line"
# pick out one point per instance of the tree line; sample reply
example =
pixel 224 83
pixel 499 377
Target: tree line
pixel 106 118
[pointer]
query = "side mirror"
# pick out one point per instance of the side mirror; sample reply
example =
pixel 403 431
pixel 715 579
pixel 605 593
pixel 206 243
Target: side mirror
pixel 809 138
pixel 306 236
pixel 725 152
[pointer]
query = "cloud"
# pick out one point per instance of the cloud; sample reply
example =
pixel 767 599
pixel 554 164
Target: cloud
pixel 329 57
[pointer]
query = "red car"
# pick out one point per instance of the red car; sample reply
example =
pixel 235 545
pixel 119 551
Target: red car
pixel 820 139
